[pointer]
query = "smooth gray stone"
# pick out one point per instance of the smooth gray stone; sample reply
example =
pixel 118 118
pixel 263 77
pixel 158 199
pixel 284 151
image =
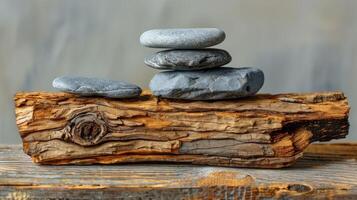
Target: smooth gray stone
pixel 212 84
pixel 96 87
pixel 188 59
pixel 185 38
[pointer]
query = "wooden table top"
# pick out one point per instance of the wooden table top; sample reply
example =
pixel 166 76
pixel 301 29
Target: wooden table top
pixel 325 171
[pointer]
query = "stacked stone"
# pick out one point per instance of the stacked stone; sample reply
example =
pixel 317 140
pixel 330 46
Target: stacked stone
pixel 195 71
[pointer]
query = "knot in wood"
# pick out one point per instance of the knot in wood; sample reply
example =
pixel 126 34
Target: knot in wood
pixel 87 129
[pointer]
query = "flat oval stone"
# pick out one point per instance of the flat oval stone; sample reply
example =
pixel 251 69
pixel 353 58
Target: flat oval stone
pixel 185 38
pixel 212 84
pixel 96 87
pixel 188 59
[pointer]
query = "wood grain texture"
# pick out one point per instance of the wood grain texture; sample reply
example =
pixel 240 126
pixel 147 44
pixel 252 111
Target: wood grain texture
pixel 266 131
pixel 318 175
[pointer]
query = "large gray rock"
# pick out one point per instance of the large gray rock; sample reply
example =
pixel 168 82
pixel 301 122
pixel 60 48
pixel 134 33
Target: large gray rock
pixel 192 38
pixel 96 87
pixel 212 84
pixel 188 59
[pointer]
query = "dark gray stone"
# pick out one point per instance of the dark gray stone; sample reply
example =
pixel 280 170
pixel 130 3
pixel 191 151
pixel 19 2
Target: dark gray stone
pixel 185 38
pixel 211 84
pixel 188 59
pixel 96 87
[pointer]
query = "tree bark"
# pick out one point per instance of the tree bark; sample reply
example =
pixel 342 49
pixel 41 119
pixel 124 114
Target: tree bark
pixel 265 131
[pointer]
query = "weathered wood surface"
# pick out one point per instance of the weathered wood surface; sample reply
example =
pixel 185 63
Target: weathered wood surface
pixel 266 131
pixel 318 175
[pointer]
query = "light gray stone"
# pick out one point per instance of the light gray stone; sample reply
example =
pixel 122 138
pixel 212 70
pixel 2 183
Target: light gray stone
pixel 188 59
pixel 96 87
pixel 211 84
pixel 185 38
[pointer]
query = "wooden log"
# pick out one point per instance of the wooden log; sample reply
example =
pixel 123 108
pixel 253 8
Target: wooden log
pixel 266 131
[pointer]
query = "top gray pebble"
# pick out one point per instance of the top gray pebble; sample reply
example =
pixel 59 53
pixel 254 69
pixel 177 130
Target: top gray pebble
pixel 192 38
pixel 96 87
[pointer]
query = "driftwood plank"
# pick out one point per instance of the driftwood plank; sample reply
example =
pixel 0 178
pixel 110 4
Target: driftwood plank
pixel 266 131
pixel 318 175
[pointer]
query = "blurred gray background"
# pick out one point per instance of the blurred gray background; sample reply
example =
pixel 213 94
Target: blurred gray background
pixel 300 45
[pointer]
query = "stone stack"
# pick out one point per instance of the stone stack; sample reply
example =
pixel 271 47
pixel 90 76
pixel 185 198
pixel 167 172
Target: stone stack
pixel 195 71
